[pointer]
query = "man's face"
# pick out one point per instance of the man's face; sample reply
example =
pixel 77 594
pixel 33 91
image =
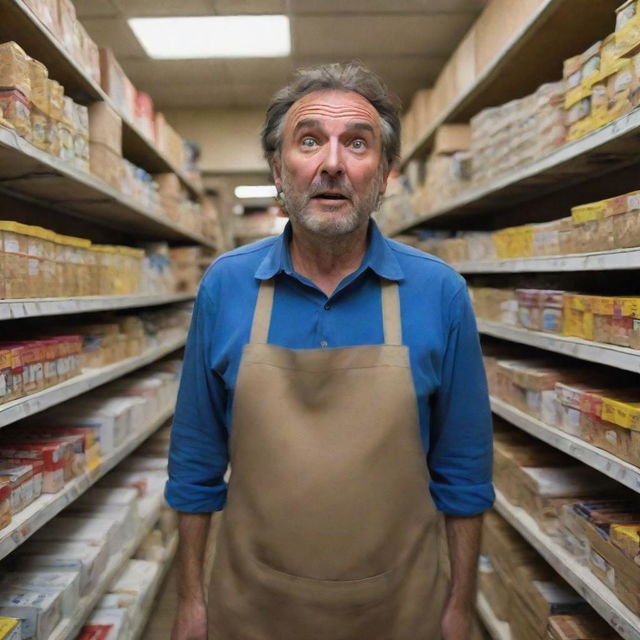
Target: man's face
pixel 330 168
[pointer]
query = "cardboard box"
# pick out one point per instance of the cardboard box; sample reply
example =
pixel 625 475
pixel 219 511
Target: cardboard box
pixel 450 138
pixel 116 84
pixel 39 612
pixel 10 629
pixel 105 127
pixel 584 626
pixel 106 164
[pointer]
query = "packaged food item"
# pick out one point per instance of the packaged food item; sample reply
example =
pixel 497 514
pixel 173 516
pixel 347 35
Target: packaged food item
pixel 106 164
pixel 66 583
pixel 10 629
pixel 116 84
pixel 15 254
pixel 620 85
pixel 602 307
pixel 56 100
pixel 39 612
pixel 20 478
pixel 578 316
pixel 16 109
pixel 81 137
pixel 104 624
pixel 5 504
pixel 67 20
pixel 105 127
pixel 589 626
pixel 52 456
pixel 14 70
pixel 38 76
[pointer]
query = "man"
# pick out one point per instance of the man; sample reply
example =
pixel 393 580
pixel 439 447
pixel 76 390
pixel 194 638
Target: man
pixel 340 374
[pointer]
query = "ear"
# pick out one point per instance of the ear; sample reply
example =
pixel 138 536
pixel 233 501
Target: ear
pixel 277 174
pixel 383 182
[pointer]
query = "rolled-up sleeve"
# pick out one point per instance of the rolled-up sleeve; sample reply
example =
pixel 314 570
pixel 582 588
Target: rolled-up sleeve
pixel 198 455
pixel 461 449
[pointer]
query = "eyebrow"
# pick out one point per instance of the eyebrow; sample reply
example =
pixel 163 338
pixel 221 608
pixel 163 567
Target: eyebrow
pixel 354 126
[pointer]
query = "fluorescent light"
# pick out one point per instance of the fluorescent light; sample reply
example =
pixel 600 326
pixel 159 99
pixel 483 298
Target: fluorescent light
pixel 214 36
pixel 260 191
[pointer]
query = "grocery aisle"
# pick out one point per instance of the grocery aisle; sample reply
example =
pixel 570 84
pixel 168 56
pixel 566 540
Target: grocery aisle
pixel 130 158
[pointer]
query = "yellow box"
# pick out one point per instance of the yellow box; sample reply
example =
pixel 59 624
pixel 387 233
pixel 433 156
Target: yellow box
pixel 627 538
pixel 624 414
pixel 587 212
pixel 10 629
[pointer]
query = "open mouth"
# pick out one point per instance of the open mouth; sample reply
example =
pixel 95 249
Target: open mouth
pixel 329 196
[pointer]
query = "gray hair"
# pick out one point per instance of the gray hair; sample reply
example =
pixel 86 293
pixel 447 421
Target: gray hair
pixel 352 76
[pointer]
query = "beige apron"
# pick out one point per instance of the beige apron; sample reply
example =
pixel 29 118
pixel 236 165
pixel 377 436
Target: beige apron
pixel 329 532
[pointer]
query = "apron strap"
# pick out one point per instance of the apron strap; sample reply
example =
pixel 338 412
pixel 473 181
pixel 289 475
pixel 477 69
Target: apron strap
pixel 391 318
pixel 262 313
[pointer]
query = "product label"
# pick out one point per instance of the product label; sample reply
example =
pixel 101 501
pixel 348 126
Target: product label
pixel 11 245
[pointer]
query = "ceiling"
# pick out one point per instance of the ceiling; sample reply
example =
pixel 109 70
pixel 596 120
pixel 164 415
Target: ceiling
pixel 405 41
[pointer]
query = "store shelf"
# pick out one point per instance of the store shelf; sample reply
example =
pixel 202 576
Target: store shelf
pixel 619 259
pixel 498 629
pixel 608 354
pixel 69 627
pixel 608 464
pixel 626 623
pixel 47 506
pixel 15 410
pixel 36 307
pixel 20 24
pixel 609 148
pixel 30 173
pixel 529 59
pixel 143 616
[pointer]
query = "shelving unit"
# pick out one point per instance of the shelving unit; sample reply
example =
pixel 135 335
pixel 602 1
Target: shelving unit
pixel 37 307
pixel 48 505
pixel 498 629
pixel 608 354
pixel 511 73
pixel 17 18
pixel 69 627
pixel 29 173
pixel 626 623
pixel 608 464
pixel 608 149
pixel 15 410
pixel 598 261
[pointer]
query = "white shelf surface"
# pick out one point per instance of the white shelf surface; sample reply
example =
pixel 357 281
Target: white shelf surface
pixel 15 309
pixel 570 164
pixel 143 616
pixel 15 410
pixel 498 629
pixel 608 354
pixel 597 261
pixel 23 26
pixel 602 599
pixel 48 505
pixel 69 627
pixel 621 471
pixel 29 172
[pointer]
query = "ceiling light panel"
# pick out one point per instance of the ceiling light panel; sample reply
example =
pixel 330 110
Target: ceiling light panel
pixel 183 38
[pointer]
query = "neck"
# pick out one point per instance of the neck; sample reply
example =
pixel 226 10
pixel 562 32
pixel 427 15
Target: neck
pixel 326 261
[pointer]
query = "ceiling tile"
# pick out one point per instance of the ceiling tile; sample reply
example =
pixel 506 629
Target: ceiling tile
pixel 116 34
pixel 93 9
pixel 246 71
pixel 253 7
pixel 192 95
pixel 157 8
pixel 394 35
pixel 384 6
pixel 150 73
pixel 254 95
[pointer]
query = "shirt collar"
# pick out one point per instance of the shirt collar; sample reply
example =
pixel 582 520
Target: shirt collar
pixel 379 256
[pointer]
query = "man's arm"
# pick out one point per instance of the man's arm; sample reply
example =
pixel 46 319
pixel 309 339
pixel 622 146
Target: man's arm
pixel 191 617
pixel 463 536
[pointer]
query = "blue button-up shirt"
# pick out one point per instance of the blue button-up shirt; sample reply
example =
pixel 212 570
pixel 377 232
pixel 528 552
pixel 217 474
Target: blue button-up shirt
pixel 438 327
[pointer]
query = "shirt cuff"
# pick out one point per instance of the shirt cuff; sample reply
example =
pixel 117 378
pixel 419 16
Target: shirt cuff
pixel 191 498
pixel 463 500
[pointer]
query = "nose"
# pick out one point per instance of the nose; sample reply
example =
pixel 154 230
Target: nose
pixel 332 161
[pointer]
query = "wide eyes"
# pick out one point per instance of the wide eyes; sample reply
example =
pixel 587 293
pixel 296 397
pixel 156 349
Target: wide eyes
pixel 358 143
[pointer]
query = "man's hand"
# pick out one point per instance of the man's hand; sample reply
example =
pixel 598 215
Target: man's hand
pixel 456 622
pixel 191 621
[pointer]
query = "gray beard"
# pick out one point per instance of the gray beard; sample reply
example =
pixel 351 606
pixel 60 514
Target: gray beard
pixel 357 214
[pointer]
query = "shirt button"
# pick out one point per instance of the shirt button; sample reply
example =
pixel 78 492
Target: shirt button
pixel 324 344
pixel 327 306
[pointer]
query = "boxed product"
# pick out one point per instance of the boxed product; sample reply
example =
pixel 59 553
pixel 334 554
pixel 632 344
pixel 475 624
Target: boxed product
pixel 76 557
pixel 51 455
pixel 582 626
pixel 21 479
pixel 99 532
pixel 67 583
pixel 626 537
pixel 116 84
pixel 16 109
pixel 137 581
pixel 169 143
pixel 5 504
pixel 105 127
pixel 106 624
pixel 10 629
pixel 124 517
pixel 14 69
pixel 39 612
pixel 106 164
